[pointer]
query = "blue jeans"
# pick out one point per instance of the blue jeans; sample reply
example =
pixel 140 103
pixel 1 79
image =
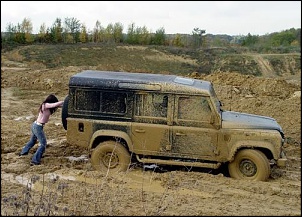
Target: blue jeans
pixel 37 134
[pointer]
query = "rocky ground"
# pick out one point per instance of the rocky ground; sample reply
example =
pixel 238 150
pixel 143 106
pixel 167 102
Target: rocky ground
pixel 66 184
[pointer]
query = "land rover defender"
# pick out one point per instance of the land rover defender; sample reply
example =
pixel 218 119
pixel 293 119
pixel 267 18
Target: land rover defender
pixel 166 120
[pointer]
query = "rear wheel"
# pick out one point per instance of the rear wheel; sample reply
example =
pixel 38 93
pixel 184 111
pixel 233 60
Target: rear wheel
pixel 112 156
pixel 251 165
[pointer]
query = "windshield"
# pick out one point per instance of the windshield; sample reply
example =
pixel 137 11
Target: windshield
pixel 215 99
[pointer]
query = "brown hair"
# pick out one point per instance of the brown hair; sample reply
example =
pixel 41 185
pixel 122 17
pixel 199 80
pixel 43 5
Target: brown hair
pixel 50 99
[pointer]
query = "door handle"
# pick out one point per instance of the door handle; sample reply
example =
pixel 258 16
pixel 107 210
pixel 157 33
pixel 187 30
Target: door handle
pixel 140 131
pixel 180 134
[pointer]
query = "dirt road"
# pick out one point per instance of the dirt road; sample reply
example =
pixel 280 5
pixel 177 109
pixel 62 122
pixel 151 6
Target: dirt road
pixel 66 184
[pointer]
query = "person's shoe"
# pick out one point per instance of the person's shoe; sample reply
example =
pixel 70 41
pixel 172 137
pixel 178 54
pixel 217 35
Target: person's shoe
pixel 34 163
pixel 20 154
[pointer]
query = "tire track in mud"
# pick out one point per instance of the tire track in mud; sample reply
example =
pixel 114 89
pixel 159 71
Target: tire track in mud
pixel 6 97
pixel 221 192
pixel 266 70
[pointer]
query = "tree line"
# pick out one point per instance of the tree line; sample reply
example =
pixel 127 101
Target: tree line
pixel 71 31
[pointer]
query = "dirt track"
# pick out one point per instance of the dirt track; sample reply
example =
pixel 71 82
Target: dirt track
pixel 66 184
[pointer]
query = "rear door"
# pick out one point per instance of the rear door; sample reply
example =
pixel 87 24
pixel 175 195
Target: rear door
pixel 150 129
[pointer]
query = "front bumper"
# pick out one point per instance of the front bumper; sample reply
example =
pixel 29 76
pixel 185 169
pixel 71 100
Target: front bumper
pixel 281 162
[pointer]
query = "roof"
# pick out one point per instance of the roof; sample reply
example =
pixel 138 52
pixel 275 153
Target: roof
pixel 138 81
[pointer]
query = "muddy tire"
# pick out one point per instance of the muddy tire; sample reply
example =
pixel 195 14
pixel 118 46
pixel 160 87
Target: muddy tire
pixel 250 165
pixel 112 156
pixel 64 114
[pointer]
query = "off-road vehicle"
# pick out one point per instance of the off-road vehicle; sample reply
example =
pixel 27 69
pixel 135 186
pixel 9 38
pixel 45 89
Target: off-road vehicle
pixel 166 120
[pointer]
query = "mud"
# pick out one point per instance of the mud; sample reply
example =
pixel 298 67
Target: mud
pixel 66 184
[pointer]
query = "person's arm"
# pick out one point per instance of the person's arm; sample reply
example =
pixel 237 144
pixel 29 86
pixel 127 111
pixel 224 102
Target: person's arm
pixel 53 105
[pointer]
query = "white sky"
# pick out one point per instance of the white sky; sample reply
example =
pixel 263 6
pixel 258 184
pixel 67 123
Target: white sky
pixel 216 17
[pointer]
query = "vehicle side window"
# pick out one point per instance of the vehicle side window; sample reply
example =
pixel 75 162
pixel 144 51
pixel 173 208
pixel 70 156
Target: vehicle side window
pixel 151 104
pixel 98 101
pixel 194 108
pixel 112 102
pixel 87 100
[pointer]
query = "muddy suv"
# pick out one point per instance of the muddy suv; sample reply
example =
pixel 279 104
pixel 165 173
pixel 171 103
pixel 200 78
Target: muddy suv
pixel 166 120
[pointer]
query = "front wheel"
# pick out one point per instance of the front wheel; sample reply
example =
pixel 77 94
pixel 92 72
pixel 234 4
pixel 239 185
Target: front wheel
pixel 110 156
pixel 250 165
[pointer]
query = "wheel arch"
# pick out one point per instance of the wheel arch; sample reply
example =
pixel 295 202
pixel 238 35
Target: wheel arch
pixel 265 147
pixel 114 135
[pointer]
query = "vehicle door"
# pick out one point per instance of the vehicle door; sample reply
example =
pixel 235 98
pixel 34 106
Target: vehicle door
pixel 150 130
pixel 193 130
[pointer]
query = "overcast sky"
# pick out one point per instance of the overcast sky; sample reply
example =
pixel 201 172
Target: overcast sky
pixel 215 17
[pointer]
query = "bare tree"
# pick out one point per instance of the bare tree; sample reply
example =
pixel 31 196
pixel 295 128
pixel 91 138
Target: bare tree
pixel 197 36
